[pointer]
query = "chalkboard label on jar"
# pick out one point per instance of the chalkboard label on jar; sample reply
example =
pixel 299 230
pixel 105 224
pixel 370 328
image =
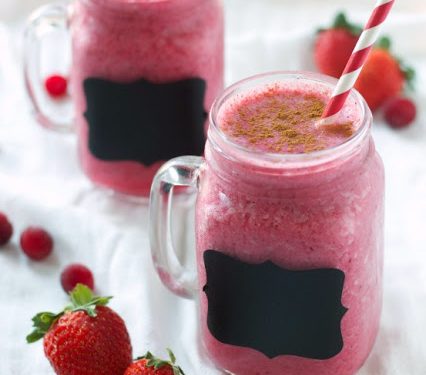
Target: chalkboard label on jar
pixel 143 121
pixel 273 310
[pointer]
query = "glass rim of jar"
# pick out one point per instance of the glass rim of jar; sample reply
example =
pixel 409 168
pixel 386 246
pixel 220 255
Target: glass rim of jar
pixel 235 152
pixel 130 4
pixel 133 9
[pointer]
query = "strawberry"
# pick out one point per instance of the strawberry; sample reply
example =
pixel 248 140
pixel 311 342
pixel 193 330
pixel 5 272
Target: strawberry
pixel 76 274
pixel 383 76
pixel 334 46
pixel 56 85
pixel 86 338
pixel 400 112
pixel 36 243
pixel 150 365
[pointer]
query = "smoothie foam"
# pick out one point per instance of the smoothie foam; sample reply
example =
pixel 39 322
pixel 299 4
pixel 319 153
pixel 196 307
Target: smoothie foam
pixel 286 120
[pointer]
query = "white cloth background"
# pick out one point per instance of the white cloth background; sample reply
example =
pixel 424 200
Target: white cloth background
pixel 40 183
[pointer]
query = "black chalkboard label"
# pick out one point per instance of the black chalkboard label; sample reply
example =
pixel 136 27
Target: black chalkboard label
pixel 273 310
pixel 144 121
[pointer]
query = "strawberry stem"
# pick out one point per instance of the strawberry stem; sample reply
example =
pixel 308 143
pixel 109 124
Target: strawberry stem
pixel 82 299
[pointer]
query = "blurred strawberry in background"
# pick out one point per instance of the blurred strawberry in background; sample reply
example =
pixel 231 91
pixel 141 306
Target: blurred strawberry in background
pixel 334 46
pixel 384 77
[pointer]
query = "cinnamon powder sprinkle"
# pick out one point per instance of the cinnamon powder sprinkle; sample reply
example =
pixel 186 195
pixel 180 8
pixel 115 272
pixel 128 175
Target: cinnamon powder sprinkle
pixel 280 127
pixel 345 130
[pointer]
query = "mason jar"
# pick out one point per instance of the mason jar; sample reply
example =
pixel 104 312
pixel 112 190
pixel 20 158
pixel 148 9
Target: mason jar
pixel 289 247
pixel 143 76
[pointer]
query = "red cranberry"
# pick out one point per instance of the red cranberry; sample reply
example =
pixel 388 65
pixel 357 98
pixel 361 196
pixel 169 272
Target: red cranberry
pixel 400 112
pixel 36 243
pixel 56 86
pixel 6 229
pixel 76 274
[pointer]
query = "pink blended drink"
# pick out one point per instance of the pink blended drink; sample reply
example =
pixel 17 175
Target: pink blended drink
pixel 145 72
pixel 289 231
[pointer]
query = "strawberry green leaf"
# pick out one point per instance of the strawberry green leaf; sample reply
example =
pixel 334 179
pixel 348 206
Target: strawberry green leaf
pixel 409 74
pixel 384 43
pixel 34 336
pixel 81 295
pixel 82 299
pixel 101 301
pixel 341 22
pixel 42 323
pixel 171 355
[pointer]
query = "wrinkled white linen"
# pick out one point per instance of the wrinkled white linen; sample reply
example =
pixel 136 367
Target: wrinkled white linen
pixel 40 183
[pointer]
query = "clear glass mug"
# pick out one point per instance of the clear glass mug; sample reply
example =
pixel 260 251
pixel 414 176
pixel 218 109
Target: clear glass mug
pixel 289 248
pixel 143 76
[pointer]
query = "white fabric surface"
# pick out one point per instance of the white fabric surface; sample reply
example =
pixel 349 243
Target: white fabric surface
pixel 40 183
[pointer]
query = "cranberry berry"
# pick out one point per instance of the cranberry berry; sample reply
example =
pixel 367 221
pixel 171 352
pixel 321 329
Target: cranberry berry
pixel 36 243
pixel 76 274
pixel 400 112
pixel 56 86
pixel 6 229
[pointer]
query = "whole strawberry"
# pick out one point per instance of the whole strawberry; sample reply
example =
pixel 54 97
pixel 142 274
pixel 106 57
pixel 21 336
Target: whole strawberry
pixel 87 338
pixel 383 77
pixel 334 46
pixel 150 365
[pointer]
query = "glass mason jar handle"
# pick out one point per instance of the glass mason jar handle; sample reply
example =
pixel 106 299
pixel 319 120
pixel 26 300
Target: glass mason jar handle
pixel 182 171
pixel 44 21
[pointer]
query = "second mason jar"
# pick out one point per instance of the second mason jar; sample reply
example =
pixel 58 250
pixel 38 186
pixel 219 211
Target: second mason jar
pixel 144 75
pixel 289 230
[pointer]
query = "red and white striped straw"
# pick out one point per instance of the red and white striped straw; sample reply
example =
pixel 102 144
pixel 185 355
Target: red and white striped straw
pixel 359 56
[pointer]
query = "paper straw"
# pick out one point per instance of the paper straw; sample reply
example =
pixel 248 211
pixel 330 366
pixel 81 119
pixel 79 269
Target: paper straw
pixel 359 56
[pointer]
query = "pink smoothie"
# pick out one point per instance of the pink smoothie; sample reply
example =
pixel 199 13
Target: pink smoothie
pixel 299 207
pixel 156 40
